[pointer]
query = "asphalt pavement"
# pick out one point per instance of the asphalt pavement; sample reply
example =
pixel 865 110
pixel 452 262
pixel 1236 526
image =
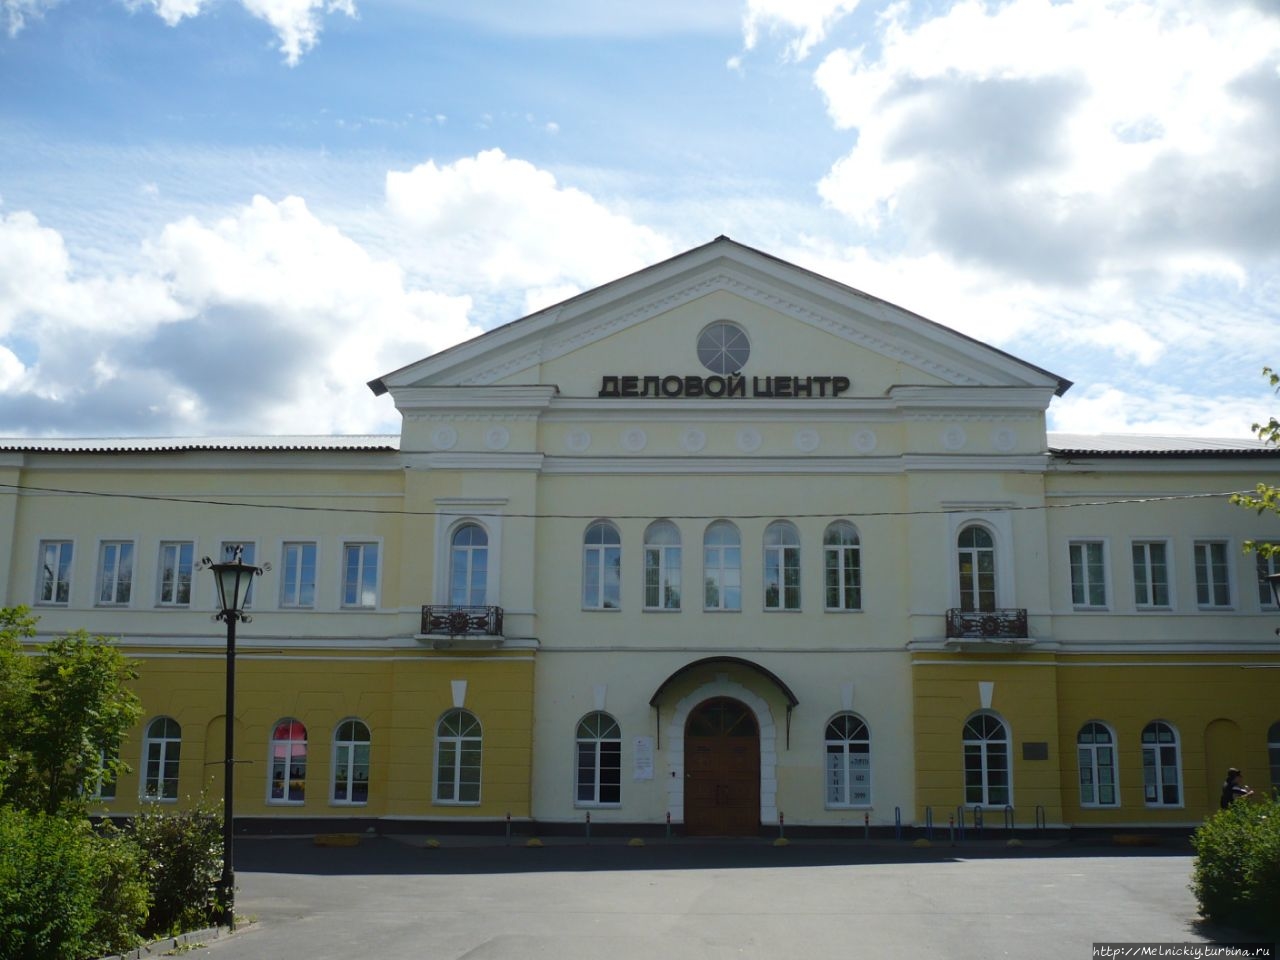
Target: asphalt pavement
pixel 398 898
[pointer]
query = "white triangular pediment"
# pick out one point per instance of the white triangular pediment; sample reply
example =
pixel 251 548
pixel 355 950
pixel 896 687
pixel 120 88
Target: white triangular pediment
pixel 646 323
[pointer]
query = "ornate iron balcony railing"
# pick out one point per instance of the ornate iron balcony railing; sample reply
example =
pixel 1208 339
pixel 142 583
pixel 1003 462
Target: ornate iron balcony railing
pixel 1008 624
pixel 456 621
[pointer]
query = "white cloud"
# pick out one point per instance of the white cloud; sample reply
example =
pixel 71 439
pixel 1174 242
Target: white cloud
pixel 1065 141
pixel 811 19
pixel 1153 409
pixel 499 221
pixel 267 321
pixel 296 22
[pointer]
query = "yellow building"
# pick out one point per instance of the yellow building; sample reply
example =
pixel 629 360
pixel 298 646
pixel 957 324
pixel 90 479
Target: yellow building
pixel 722 541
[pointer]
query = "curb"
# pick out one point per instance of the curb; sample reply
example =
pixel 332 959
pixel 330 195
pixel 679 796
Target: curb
pixel 160 947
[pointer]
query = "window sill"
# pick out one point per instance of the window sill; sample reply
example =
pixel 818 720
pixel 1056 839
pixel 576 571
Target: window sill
pixel 661 609
pixel 1100 806
pixel 157 799
pixel 455 803
pixel 601 609
pixel 721 610
pixel 285 803
pixel 587 805
pixel 850 806
pixel 348 803
pixel 781 610
pixel 842 609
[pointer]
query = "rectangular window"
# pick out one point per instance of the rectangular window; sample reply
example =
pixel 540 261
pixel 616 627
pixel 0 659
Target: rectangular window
pixel 1151 574
pixel 298 575
pixel 115 573
pixel 843 578
pixel 55 572
pixel 1088 574
pixel 104 784
pixel 1266 567
pixel 782 578
pixel 360 575
pixel 662 577
pixel 1213 582
pixel 247 553
pixel 177 561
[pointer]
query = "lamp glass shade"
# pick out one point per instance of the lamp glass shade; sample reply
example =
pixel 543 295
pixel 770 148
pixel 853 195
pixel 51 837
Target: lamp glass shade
pixel 233 583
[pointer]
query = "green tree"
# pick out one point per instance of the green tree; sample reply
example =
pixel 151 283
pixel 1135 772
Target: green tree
pixel 66 711
pixel 1266 497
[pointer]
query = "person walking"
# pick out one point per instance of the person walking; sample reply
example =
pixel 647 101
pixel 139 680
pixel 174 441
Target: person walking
pixel 1234 788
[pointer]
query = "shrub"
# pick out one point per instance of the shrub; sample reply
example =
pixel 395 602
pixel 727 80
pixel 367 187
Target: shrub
pixel 1236 877
pixel 65 892
pixel 183 852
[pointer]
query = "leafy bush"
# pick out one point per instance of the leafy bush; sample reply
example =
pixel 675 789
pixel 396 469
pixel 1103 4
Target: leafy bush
pixel 65 892
pixel 183 851
pixel 1236 877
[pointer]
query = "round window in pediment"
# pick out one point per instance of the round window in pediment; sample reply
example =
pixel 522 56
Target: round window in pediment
pixel 723 347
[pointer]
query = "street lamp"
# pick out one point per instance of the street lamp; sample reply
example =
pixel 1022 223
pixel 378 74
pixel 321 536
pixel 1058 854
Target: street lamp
pixel 233 578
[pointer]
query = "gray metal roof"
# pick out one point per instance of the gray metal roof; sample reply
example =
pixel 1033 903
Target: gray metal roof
pixel 1124 444
pixel 370 442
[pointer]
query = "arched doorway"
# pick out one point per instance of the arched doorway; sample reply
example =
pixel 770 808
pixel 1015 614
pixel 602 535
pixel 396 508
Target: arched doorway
pixel 722 770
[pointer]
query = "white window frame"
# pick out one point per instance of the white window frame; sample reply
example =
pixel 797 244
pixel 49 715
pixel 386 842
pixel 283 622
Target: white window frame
pixel 665 560
pixel 847 761
pixel 1212 584
pixel 1000 525
pixel 595 741
pixel 100 583
pixel 1084 545
pixel 248 554
pixel 1153 758
pixel 1149 566
pixel 364 546
pixel 784 554
pixel 468 553
pixel 458 743
pixel 848 571
pixel 986 767
pixel 453 512
pixel 176 546
pixel 720 569
pixel 349 745
pixel 166 744
pixel 596 558
pixel 1264 567
pixel 291 581
pixel 274 763
pixel 104 787
pixel 1087 760
pixel 61 574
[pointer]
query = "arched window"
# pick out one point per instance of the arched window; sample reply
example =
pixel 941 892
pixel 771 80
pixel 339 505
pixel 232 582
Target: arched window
pixel 1096 753
pixel 781 566
pixel 351 763
pixel 469 566
pixel 842 566
pixel 599 745
pixel 1161 765
pixel 977 566
pixel 288 763
pixel 986 761
pixel 161 751
pixel 662 566
pixel 458 744
pixel 722 567
pixel 1273 755
pixel 602 567
pixel 848 762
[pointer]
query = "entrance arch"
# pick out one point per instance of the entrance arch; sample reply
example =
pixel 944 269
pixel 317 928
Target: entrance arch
pixel 722 770
pixel 673 735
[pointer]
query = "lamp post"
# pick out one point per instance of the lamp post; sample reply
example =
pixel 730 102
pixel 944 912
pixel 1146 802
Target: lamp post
pixel 233 578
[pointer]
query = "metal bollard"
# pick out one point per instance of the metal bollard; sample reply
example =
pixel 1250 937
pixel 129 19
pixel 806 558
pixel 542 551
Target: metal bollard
pixel 866 826
pixel 668 825
pixel 960 820
pixel 508 828
pixel 951 826
pixel 1008 817
pixel 780 825
pixel 928 823
pixel 977 820
pixel 1041 822
pixel 588 826
pixel 897 823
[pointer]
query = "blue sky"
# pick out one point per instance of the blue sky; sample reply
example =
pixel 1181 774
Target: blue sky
pixel 282 199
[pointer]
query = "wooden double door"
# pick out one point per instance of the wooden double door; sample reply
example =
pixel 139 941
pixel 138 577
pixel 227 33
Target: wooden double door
pixel 722 770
